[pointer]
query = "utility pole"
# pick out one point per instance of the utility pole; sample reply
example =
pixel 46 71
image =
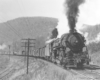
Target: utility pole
pixel 25 49
pixel 28 44
pixel 9 51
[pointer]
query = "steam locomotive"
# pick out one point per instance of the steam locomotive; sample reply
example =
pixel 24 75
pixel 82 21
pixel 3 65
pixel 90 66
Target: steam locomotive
pixel 69 51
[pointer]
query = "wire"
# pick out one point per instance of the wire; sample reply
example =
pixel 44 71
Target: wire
pixel 12 28
pixel 15 31
pixel 26 20
pixel 4 33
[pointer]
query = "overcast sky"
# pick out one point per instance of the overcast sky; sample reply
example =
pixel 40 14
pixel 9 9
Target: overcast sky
pixel 10 9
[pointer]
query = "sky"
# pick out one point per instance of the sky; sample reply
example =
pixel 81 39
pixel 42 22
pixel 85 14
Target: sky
pixel 11 9
pixel 89 11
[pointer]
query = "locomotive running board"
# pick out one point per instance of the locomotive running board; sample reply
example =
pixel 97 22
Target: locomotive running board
pixel 90 66
pixel 70 66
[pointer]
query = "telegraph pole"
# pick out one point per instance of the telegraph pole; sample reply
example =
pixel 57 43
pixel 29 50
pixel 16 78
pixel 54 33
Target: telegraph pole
pixel 24 52
pixel 9 51
pixel 25 47
pixel 28 44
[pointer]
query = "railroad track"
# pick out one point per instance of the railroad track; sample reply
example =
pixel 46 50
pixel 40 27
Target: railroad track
pixel 92 75
pixel 7 73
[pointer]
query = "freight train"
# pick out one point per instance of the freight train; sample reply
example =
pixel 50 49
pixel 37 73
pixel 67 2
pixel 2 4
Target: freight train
pixel 69 51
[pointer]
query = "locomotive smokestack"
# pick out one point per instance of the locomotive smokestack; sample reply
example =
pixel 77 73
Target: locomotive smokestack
pixel 72 12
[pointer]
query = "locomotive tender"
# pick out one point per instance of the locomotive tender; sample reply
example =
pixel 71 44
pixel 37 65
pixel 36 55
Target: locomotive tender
pixel 69 51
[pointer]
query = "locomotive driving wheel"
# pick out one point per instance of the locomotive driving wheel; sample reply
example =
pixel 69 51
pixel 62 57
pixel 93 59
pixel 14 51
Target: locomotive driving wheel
pixel 80 64
pixel 53 57
pixel 87 63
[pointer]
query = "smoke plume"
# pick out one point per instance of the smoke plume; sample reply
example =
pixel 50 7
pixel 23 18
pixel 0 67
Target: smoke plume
pixel 72 12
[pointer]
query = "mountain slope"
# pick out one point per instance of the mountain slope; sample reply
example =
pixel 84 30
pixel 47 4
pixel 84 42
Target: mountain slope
pixel 94 45
pixel 26 27
pixel 92 31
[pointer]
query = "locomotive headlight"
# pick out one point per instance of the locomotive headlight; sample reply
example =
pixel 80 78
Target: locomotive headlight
pixel 84 49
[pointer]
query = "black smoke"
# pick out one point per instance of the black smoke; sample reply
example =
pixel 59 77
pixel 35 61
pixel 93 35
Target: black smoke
pixel 72 9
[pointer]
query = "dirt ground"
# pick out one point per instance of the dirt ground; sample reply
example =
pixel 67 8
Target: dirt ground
pixel 15 69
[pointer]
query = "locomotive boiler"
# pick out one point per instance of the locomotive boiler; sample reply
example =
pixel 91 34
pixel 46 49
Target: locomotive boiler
pixel 69 51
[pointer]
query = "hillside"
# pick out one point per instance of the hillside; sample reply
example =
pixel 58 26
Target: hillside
pixel 92 31
pixel 42 70
pixel 26 27
pixel 94 46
